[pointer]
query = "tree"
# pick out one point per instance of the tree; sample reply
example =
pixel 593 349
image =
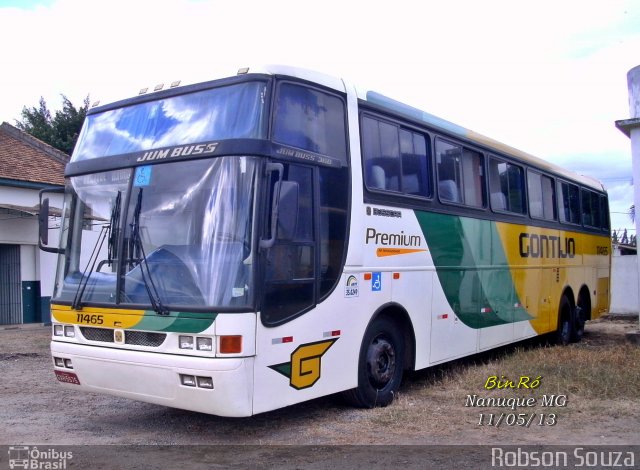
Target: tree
pixel 62 130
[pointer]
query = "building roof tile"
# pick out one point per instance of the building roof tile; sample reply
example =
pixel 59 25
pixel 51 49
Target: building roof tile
pixel 27 159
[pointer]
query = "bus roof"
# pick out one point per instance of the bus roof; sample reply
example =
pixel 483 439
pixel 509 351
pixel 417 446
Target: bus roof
pixel 487 142
pixel 431 120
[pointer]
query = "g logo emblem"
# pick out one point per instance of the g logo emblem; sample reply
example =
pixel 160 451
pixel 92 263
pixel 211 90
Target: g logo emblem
pixel 304 370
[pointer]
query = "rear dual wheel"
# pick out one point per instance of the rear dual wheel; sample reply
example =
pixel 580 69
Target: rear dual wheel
pixel 571 321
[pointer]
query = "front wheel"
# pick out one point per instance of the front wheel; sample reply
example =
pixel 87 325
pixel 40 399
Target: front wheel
pixel 380 366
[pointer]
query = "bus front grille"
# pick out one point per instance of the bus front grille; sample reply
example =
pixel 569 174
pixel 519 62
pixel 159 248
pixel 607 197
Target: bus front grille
pixel 144 338
pixel 133 337
pixel 97 334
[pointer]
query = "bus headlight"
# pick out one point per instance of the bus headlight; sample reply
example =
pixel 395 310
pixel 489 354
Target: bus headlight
pixel 204 344
pixel 185 342
pixel 69 331
pixel 58 330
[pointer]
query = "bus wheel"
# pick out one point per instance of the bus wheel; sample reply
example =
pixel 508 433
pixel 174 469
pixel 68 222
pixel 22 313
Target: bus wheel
pixel 565 329
pixel 380 366
pixel 581 313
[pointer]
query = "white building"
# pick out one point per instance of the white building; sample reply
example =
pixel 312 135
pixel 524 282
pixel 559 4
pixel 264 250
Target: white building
pixel 27 274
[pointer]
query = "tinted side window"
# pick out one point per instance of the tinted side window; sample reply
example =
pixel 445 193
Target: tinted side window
pixel 506 186
pixel 569 202
pixel 541 192
pixel 604 211
pixel 395 159
pixel 460 174
pixel 311 120
pixel 334 202
pixel 591 209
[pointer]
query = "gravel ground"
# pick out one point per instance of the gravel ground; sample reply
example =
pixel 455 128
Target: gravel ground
pixel 37 412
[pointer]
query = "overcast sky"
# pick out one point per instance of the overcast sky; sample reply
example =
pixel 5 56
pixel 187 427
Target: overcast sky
pixel 547 77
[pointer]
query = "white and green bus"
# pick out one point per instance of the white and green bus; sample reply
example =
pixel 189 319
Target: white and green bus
pixel 244 244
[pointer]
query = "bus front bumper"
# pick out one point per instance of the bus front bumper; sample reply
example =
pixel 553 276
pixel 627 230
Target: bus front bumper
pixel 159 378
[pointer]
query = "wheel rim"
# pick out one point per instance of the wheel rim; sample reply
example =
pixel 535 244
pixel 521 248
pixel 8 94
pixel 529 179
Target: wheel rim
pixel 381 361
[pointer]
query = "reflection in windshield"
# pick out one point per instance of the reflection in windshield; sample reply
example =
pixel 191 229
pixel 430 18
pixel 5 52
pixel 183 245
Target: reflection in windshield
pixel 194 228
pixel 230 112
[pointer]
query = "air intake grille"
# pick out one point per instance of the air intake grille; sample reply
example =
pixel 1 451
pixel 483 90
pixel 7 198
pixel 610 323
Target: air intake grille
pixel 133 337
pixel 97 334
pixel 144 338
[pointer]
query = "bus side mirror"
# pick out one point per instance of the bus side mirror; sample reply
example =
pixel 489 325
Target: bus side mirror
pixel 43 222
pixel 288 210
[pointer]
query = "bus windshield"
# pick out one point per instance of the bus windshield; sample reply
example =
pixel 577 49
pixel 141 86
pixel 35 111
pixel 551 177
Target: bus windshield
pixel 173 245
pixel 228 112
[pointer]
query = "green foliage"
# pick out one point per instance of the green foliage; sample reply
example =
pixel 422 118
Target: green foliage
pixel 60 131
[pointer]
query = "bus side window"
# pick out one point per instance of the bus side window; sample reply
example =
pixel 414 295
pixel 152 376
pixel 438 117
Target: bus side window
pixel 310 119
pixel 569 202
pixel 460 174
pixel 506 186
pixel 541 194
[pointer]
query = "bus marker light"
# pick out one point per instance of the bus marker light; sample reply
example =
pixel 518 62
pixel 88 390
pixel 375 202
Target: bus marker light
pixel 174 83
pixel 205 382
pixel 443 317
pixel 396 275
pixel 58 361
pixel 243 70
pixel 231 344
pixel 188 380
pixel 69 331
pixel 331 334
pixel 58 330
pixel 158 87
pixel 143 91
pixel 204 344
pixel 286 339
pixel 185 342
pixel 68 364
pixel 367 276
pixel 486 310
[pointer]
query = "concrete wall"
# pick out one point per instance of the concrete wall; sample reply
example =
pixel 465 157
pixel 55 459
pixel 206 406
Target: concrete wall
pixel 624 285
pixel 37 268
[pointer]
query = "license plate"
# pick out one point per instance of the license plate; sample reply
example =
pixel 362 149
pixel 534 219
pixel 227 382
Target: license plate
pixel 67 377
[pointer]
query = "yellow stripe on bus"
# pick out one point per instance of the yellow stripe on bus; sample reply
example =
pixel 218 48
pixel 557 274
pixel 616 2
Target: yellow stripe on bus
pixel 97 316
pixel 543 262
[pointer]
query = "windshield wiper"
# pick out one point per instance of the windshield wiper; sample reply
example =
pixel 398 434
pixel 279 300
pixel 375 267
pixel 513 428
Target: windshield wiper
pixel 112 246
pixel 140 256
pixel 84 280
pixel 107 231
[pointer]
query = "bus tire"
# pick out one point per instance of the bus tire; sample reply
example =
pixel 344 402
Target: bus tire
pixel 581 313
pixel 380 365
pixel 564 332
